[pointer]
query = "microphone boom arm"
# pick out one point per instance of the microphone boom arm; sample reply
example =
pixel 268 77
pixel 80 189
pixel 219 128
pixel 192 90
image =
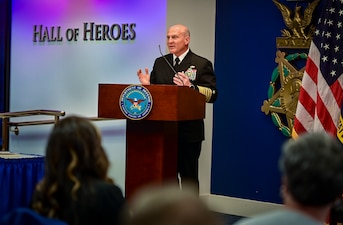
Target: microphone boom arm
pixel 171 67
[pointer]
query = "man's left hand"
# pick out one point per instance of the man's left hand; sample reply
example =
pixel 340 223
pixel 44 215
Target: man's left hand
pixel 181 79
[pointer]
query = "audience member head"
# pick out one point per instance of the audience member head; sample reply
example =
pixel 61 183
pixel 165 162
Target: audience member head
pixel 312 168
pixel 74 157
pixel 168 205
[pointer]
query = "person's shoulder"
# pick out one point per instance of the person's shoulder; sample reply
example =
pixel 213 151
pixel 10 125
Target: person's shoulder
pixel 198 58
pixel 162 58
pixel 108 188
pixel 258 220
pixel 280 217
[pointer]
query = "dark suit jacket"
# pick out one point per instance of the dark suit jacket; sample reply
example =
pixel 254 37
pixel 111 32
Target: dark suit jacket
pixel 202 75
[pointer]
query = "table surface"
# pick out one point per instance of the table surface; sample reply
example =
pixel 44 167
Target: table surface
pixel 13 155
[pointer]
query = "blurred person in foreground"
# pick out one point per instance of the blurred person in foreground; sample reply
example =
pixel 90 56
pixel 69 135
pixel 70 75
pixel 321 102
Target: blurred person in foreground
pixel 168 205
pixel 76 187
pixel 312 180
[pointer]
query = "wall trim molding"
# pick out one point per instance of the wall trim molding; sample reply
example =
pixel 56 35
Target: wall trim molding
pixel 238 206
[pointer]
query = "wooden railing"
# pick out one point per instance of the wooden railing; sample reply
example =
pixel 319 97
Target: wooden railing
pixel 7 124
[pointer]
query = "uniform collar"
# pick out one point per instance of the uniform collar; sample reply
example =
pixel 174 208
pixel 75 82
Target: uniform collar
pixel 181 57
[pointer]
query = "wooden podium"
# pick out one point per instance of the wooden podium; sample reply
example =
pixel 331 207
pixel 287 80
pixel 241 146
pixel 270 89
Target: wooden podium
pixel 151 143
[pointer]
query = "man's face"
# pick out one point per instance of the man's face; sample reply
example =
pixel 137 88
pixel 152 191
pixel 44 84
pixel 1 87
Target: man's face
pixel 177 40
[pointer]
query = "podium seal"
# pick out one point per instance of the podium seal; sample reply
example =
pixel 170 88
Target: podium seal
pixel 135 102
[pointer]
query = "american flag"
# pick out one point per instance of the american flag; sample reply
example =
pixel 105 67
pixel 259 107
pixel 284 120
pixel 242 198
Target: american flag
pixel 321 93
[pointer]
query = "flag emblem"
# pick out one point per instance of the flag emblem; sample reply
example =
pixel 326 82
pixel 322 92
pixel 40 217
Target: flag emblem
pixel 321 93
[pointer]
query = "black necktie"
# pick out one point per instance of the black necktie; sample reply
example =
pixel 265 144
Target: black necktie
pixel 177 61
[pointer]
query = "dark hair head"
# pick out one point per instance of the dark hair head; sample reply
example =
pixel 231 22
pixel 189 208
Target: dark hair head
pixel 313 168
pixel 167 204
pixel 74 147
pixel 74 159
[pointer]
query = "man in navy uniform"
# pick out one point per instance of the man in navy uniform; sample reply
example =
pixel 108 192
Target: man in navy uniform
pixel 182 67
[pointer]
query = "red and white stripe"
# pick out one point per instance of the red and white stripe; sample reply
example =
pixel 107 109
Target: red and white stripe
pixel 319 104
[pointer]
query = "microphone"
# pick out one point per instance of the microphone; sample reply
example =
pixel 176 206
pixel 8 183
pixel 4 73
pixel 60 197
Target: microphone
pixel 171 67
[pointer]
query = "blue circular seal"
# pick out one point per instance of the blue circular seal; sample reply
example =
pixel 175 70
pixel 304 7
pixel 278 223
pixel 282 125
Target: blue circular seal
pixel 135 102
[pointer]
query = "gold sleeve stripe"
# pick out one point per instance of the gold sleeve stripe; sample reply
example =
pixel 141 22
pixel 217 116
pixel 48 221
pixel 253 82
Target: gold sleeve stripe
pixel 205 91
